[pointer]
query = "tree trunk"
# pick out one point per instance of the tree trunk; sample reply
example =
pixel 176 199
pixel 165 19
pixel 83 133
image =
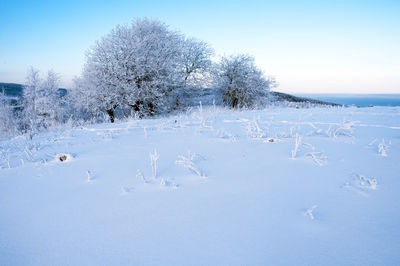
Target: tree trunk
pixel 110 113
pixel 235 102
pixel 151 108
pixel 235 98
pixel 136 108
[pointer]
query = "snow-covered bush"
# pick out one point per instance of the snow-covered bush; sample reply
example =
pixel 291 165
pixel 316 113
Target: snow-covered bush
pixel 241 83
pixel 144 66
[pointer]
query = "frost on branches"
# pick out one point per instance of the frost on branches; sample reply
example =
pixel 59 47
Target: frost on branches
pixel 141 70
pixel 144 66
pixel 7 121
pixel 241 83
pixel 42 104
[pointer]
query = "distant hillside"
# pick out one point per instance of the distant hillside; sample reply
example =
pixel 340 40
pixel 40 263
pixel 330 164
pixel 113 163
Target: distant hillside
pixel 283 97
pixel 11 89
pixel 15 90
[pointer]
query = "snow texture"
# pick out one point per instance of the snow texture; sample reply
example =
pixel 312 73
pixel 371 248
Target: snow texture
pixel 135 192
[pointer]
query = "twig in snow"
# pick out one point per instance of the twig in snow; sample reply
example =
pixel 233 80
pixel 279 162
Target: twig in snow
pixel 254 130
pixel 362 182
pixel 372 142
pixel 299 140
pixel 126 190
pixel 188 163
pixel 145 132
pixel 345 128
pixel 153 162
pixel 224 134
pixel 166 183
pixel 5 154
pixel 318 157
pixel 309 212
pixel 383 148
pixel 140 176
pixel 214 109
pixel 89 176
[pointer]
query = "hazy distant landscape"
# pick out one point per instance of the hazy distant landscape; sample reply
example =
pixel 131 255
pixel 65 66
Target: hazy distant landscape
pixel 348 99
pixel 359 100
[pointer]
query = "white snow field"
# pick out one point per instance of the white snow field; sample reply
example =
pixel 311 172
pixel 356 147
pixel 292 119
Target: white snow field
pixel 281 186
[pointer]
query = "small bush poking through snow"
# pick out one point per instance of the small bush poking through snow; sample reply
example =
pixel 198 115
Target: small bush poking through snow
pixel 254 130
pixel 89 176
pixel 224 134
pixel 5 156
pixel 345 128
pixel 188 163
pixel 309 212
pixel 141 176
pixel 126 190
pixel 382 148
pixel 153 162
pixel 362 182
pixel 299 140
pixel 318 157
pixel 166 183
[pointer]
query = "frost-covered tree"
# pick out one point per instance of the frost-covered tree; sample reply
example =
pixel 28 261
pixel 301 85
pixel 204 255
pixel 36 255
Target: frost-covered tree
pixel 50 100
pixel 145 66
pixel 85 101
pixel 149 68
pixel 8 121
pixel 137 66
pixel 41 101
pixel 196 66
pixel 196 61
pixel 241 83
pixel 31 114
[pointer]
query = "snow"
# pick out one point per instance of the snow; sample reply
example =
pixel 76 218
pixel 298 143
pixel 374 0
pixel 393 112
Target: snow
pixel 223 188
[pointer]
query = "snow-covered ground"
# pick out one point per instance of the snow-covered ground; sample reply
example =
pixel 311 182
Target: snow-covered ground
pixel 282 186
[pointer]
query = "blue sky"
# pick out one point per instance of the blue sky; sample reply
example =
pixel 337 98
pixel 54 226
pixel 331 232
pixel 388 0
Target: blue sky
pixel 309 46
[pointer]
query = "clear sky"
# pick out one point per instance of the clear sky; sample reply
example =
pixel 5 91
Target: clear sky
pixel 309 46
